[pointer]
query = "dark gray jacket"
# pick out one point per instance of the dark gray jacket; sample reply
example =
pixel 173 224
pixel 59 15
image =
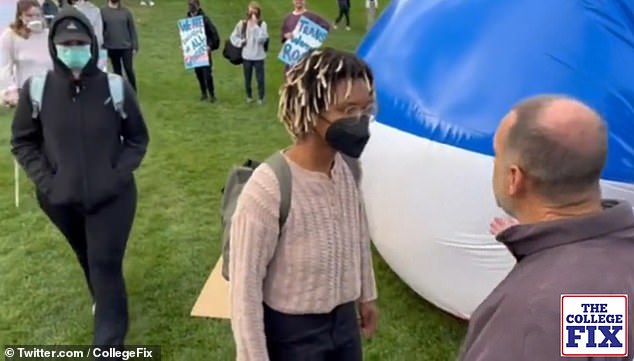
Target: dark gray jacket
pixel 520 320
pixel 119 29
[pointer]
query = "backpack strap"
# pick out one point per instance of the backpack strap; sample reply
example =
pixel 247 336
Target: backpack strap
pixel 244 29
pixel 117 93
pixel 283 173
pixel 36 92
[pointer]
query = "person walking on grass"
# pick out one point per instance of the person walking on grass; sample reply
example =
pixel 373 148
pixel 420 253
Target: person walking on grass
pixel 81 153
pixel 344 11
pixel 291 287
pixel 204 74
pixel 120 39
pixel 251 34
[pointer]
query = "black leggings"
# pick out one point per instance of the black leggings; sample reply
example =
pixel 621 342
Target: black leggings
pixel 99 241
pixel 205 81
pixel 343 11
pixel 323 337
pixel 125 57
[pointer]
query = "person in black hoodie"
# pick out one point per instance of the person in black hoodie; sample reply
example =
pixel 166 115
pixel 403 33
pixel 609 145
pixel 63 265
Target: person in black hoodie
pixel 204 74
pixel 81 154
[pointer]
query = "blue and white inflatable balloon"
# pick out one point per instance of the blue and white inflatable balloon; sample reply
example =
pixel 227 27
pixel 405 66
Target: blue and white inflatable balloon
pixel 446 73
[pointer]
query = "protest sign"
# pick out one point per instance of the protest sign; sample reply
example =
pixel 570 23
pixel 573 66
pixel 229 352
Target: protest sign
pixel 306 36
pixel 193 42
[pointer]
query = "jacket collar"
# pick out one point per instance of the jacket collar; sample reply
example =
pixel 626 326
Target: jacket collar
pixel 525 239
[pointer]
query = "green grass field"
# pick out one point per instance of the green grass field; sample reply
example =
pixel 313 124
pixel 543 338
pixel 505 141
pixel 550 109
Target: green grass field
pixel 175 244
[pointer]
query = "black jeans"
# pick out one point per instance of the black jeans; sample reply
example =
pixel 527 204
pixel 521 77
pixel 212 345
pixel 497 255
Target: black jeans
pixel 205 80
pixel 99 240
pixel 248 66
pixel 123 57
pixel 343 11
pixel 323 337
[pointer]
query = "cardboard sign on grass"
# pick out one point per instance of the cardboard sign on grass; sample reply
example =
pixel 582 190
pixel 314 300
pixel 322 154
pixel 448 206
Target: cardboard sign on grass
pixel 213 301
pixel 306 36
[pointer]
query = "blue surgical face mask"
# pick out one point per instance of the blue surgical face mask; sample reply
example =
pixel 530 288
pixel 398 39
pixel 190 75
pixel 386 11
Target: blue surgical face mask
pixel 74 56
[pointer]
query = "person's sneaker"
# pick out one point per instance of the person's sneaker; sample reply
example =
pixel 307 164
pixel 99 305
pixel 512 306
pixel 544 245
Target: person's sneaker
pixel 334 26
pixel 249 100
pixel 151 3
pixel 203 97
pixel 143 3
pixel 260 101
pixel 212 99
pixel 348 28
pixel 93 308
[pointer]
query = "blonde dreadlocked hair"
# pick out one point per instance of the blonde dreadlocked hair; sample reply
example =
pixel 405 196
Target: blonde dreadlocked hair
pixel 309 89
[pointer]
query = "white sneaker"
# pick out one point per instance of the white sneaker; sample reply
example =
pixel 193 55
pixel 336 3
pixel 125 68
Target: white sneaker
pixel 143 3
pixel 93 309
pixel 151 3
pixel 348 28
pixel 249 100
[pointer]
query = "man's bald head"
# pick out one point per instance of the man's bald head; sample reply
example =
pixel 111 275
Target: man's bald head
pixel 559 143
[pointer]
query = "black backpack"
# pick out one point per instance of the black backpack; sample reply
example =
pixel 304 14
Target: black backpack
pixel 215 38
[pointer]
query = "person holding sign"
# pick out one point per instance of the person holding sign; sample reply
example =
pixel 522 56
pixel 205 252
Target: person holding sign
pixel 290 21
pixel 252 36
pixel 295 291
pixel 204 74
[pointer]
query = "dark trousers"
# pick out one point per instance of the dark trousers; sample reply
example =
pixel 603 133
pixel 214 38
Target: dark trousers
pixel 344 10
pixel 205 81
pixel 248 66
pixel 324 337
pixel 123 57
pixel 99 240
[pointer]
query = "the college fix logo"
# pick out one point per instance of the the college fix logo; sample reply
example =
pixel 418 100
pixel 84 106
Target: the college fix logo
pixel 594 325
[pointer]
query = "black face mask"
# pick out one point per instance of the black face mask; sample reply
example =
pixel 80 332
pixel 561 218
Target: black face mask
pixel 349 135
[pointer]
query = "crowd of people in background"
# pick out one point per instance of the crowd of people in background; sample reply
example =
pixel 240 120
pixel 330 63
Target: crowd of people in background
pixel 24 43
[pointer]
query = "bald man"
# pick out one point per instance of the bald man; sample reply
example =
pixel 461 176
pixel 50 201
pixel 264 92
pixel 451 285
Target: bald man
pixel 549 155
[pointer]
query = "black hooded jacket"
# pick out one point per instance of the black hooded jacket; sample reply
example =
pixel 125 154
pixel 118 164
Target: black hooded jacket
pixel 78 150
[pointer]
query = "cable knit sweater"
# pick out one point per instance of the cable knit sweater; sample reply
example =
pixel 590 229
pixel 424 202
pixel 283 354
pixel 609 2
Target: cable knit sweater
pixel 322 260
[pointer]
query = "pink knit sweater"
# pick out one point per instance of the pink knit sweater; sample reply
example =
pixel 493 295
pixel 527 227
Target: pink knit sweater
pixel 322 260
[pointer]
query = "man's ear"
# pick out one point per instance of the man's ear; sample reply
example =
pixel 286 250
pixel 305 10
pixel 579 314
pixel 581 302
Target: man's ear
pixel 517 180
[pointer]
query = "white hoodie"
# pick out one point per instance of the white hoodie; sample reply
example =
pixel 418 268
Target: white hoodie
pixel 93 13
